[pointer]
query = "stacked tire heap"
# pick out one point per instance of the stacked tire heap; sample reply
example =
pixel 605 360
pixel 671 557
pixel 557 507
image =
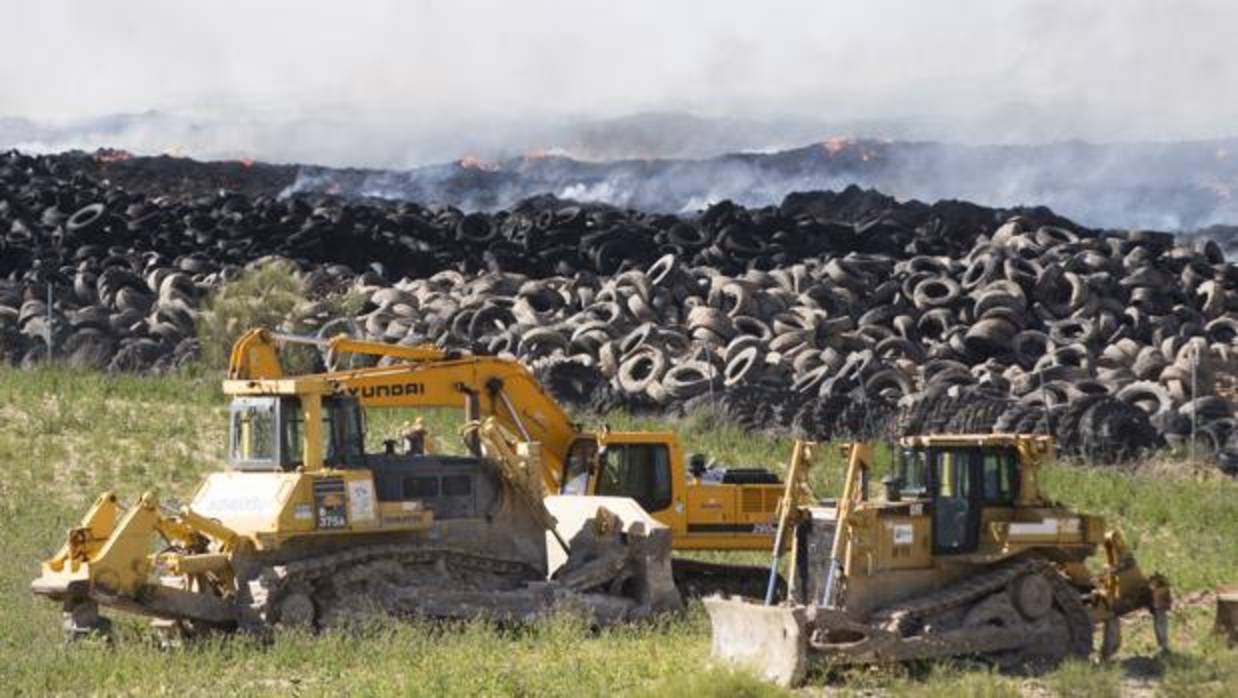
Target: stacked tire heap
pixel 1113 343
pixel 127 272
pixel 832 314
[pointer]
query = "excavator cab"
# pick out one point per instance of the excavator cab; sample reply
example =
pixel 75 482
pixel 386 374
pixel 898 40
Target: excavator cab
pixel 640 471
pixel 622 465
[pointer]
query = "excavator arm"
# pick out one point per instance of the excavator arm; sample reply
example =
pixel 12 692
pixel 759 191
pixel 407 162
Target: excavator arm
pixel 256 353
pixel 484 386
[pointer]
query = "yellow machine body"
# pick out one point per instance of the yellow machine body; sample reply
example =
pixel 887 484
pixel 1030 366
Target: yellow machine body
pixel 961 555
pixel 701 515
pixel 893 549
pixel 302 499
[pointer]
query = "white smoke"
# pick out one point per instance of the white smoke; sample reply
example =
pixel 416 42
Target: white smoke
pixel 408 83
pixel 381 83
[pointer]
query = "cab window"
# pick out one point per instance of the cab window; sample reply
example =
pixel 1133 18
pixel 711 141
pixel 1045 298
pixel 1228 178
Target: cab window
pixel 294 435
pixel 342 432
pixel 954 474
pixel 346 422
pixel 913 471
pixel 576 468
pixel 1001 476
pixel 956 502
pixel 253 431
pixel 639 471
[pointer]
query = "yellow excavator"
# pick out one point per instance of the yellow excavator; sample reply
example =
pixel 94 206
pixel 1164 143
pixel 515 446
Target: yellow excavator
pixel 962 554
pixel 705 508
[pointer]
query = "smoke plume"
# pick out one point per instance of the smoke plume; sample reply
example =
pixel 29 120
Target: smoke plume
pixel 398 84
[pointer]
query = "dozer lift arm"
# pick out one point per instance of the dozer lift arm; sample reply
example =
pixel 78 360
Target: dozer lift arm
pixel 795 496
pixel 495 387
pixel 519 465
pixel 109 553
pixel 1123 588
pixel 860 458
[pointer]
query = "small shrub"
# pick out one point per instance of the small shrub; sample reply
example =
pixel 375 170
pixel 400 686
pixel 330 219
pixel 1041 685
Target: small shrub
pixel 274 296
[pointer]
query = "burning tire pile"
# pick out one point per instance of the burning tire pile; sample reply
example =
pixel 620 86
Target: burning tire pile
pixel 833 314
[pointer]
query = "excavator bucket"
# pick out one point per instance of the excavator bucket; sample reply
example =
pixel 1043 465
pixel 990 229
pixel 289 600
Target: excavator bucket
pixel 772 641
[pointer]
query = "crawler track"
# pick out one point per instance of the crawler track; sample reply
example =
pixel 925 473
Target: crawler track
pixel 977 616
pixel 399 579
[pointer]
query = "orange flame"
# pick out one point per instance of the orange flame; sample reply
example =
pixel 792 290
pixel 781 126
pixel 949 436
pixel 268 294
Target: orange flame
pixel 473 162
pixel 836 145
pixel 246 162
pixel 112 155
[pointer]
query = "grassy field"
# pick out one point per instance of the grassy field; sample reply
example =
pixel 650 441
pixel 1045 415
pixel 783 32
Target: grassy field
pixel 68 436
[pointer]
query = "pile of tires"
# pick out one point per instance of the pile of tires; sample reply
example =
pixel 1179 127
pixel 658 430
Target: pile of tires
pixel 1115 343
pixel 835 314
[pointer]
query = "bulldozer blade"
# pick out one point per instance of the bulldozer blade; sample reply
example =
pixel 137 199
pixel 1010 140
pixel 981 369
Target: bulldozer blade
pixel 1227 613
pixel 769 640
pixel 639 547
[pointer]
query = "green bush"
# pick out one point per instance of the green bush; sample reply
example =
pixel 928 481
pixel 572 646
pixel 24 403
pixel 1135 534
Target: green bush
pixel 274 296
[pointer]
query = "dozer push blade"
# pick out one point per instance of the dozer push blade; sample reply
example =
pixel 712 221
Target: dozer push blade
pixel 1227 613
pixel 769 640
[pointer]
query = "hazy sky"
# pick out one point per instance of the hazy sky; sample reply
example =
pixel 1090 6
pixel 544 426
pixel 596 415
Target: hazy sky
pixel 1073 68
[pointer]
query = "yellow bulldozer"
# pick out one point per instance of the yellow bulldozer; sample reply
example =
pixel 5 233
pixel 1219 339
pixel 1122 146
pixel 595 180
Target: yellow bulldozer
pixel 961 554
pixel 305 528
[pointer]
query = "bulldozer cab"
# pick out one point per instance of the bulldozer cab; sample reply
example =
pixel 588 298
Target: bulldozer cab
pixel 958 479
pixel 268 432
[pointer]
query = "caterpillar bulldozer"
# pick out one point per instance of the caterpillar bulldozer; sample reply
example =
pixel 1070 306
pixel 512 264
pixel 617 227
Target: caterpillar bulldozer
pixel 961 555
pixel 307 529
pixel 704 508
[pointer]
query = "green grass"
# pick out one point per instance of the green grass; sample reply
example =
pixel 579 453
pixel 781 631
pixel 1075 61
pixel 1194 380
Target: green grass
pixel 67 436
pixel 1184 526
